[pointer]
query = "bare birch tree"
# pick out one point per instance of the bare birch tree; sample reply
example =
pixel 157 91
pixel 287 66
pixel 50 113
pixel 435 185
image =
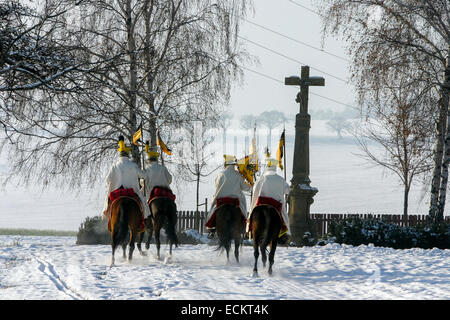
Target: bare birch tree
pixel 400 123
pixel 194 161
pixel 162 64
pixel 387 37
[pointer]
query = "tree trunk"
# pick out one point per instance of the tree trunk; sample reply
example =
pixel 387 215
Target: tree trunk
pixel 446 157
pixel 405 204
pixel 149 54
pixel 441 126
pixel 198 184
pixel 131 42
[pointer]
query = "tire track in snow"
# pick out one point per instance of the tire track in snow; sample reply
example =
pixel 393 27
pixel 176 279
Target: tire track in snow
pixel 49 270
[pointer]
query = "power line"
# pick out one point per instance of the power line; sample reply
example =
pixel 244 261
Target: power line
pixel 305 7
pixel 292 59
pixel 312 93
pixel 295 40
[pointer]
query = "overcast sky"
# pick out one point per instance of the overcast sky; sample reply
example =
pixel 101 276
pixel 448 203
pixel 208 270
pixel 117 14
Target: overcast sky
pixel 289 18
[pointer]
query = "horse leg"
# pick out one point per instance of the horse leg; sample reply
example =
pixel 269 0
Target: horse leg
pixel 273 247
pixel 236 249
pixel 256 255
pixel 132 243
pixel 158 242
pixel 237 241
pixel 263 255
pixel 113 246
pixel 139 243
pixel 124 249
pixel 149 238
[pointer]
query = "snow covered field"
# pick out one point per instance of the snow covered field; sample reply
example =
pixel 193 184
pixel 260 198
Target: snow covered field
pixel 54 268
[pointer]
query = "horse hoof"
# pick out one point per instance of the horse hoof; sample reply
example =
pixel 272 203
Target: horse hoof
pixel 255 274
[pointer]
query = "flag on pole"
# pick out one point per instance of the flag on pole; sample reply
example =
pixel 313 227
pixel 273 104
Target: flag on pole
pixel 280 150
pixel 248 166
pixel 163 146
pixel 246 170
pixel 137 135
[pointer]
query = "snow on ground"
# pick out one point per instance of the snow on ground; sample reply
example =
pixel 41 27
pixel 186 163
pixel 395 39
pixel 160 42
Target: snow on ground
pixel 54 268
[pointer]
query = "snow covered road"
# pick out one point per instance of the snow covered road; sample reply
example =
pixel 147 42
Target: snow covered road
pixel 54 268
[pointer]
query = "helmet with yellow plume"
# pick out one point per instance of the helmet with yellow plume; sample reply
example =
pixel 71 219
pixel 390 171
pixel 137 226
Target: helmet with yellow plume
pixel 123 149
pixel 152 155
pixel 271 162
pixel 229 160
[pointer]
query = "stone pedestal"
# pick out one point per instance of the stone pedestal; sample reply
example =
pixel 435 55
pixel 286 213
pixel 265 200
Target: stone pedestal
pixel 301 194
pixel 300 200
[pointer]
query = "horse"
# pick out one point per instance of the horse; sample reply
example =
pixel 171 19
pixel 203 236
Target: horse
pixel 126 216
pixel 164 213
pixel 229 226
pixel 265 227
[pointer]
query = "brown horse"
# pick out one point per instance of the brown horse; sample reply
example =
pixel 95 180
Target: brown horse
pixel 164 213
pixel 229 226
pixel 126 217
pixel 265 228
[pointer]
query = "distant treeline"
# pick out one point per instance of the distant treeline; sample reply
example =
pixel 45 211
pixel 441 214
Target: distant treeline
pixel 33 232
pixel 328 114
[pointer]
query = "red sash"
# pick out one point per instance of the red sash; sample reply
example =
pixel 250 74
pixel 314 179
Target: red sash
pixel 227 200
pixel 269 201
pixel 277 205
pixel 129 192
pixel 161 192
pixel 211 223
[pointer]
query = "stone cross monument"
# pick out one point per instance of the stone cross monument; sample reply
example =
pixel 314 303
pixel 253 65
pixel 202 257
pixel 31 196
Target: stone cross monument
pixel 301 194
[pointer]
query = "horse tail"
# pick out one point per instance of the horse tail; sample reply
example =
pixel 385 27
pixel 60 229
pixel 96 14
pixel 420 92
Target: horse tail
pixel 268 227
pixel 121 227
pixel 225 238
pixel 171 222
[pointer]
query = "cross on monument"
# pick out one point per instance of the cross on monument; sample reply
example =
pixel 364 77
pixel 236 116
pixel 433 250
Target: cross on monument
pixel 301 194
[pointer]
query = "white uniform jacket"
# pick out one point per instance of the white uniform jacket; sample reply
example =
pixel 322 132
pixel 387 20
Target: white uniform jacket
pixel 229 183
pixel 126 173
pixel 156 175
pixel 270 184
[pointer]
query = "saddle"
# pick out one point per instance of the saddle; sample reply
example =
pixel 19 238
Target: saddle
pixel 267 201
pixel 220 202
pixel 121 192
pixel 161 192
pixel 277 205
pixel 227 200
pixel 113 201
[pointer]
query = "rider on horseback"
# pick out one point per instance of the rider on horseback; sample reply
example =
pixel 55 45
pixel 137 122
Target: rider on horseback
pixel 157 177
pixel 124 174
pixel 271 189
pixel 229 185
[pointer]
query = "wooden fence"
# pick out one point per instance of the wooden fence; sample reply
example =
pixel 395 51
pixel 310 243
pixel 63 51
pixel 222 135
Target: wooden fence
pixel 191 220
pixel 321 221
